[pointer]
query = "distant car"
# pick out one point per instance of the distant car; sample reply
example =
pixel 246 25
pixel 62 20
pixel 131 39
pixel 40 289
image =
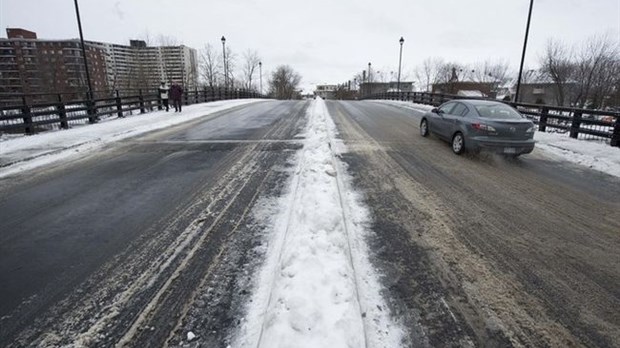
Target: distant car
pixel 480 125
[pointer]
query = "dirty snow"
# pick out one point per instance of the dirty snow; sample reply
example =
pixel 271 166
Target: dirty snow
pixel 317 287
pixel 20 153
pixel 593 154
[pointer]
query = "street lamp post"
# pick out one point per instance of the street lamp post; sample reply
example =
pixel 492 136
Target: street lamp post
pixel 90 89
pixel 77 13
pixel 400 58
pixel 527 32
pixel 369 89
pixel 260 69
pixel 225 67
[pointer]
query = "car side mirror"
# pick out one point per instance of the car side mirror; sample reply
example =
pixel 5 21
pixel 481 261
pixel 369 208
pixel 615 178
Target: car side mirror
pixel 435 110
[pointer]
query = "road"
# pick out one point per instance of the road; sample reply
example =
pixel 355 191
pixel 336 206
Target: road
pixel 138 244
pixel 483 251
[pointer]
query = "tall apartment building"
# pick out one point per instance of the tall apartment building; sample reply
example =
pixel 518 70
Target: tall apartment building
pixel 30 65
pixel 142 66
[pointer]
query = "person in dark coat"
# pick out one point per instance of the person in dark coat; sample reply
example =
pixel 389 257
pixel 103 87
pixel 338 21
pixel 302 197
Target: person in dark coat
pixel 176 92
pixel 163 95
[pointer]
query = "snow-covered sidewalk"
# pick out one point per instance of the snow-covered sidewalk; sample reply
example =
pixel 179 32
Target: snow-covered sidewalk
pixel 593 154
pixel 317 287
pixel 19 153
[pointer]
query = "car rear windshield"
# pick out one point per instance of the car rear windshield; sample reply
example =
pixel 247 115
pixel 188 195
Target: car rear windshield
pixel 498 111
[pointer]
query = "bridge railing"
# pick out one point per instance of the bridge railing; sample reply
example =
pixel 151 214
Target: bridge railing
pixel 578 123
pixel 31 117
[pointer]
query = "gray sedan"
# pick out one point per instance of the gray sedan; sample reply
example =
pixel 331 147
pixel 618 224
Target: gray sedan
pixel 476 125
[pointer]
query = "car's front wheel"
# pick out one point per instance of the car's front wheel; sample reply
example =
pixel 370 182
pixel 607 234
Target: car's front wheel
pixel 458 143
pixel 424 128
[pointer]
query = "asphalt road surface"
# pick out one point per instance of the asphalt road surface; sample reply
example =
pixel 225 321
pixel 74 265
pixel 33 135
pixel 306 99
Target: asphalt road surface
pixel 484 251
pixel 152 237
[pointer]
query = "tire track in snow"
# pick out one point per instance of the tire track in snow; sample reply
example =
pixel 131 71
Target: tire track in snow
pixel 310 292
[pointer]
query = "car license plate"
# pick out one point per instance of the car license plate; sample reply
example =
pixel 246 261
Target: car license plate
pixel 510 150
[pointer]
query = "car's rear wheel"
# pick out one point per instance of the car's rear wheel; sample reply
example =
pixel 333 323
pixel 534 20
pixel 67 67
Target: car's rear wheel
pixel 424 128
pixel 458 143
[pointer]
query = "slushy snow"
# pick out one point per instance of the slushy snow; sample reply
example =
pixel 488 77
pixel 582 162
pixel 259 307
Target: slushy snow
pixel 317 287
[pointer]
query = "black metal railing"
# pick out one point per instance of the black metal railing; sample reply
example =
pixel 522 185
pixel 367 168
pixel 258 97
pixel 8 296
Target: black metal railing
pixel 29 118
pixel 578 123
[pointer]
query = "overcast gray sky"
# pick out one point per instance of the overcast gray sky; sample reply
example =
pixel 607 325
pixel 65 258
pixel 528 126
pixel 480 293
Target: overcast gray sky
pixel 328 41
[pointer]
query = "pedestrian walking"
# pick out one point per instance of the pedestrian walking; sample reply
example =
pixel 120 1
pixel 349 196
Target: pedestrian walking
pixel 176 92
pixel 163 95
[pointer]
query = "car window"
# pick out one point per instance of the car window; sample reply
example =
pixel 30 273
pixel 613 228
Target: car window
pixel 447 107
pixel 499 111
pixel 459 110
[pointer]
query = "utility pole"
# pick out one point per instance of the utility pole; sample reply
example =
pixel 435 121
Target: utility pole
pixel 260 69
pixel 400 61
pixel 77 13
pixel 527 32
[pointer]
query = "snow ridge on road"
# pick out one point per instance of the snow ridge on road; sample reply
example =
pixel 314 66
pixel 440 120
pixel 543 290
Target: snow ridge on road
pixel 317 287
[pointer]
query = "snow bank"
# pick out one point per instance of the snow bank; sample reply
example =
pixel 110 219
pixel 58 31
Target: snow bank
pixel 317 288
pixel 592 154
pixel 19 153
pixel 406 104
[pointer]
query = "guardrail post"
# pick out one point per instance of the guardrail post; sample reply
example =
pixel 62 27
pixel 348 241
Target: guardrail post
pixel 615 136
pixel 542 121
pixel 62 113
pixel 119 105
pixel 27 117
pixel 90 108
pixel 141 101
pixel 574 128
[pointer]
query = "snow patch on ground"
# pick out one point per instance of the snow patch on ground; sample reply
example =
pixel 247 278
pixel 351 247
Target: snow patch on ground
pixel 317 287
pixel 405 104
pixel 592 154
pixel 20 153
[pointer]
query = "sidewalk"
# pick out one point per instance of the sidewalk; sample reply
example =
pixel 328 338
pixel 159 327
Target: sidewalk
pixel 21 152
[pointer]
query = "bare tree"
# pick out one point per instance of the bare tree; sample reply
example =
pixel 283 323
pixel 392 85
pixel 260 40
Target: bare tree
pixel 491 71
pixel 557 65
pixel 250 65
pixel 229 68
pixel 210 66
pixel 284 83
pixel 596 68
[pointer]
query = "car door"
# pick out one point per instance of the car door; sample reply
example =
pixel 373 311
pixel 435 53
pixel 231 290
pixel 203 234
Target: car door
pixel 440 125
pixel 455 118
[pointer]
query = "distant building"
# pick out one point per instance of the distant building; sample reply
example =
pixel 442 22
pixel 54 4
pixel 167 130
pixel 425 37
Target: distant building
pixel 545 92
pixel 29 65
pixel 465 88
pixel 142 66
pixel 368 88
pixel 326 91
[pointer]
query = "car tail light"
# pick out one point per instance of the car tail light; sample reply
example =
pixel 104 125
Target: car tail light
pixel 483 127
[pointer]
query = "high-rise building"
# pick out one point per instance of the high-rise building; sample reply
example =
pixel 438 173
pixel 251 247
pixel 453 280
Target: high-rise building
pixel 145 67
pixel 29 65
